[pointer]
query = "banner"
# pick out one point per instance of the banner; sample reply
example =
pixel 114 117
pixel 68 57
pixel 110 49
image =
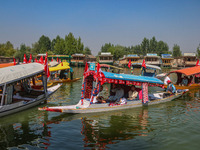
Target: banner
pixel 145 98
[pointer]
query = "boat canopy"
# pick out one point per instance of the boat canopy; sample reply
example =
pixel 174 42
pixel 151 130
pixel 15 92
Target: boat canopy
pixel 53 63
pixel 61 66
pixel 129 77
pixel 188 71
pixel 153 67
pixel 19 72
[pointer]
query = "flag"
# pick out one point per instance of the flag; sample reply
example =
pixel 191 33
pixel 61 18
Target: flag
pixel 30 59
pixel 129 64
pixel 41 60
pixel 197 64
pixel 46 67
pixel 14 61
pixel 86 67
pixel 57 59
pixel 25 60
pixel 143 63
pixel 52 59
pixel 35 60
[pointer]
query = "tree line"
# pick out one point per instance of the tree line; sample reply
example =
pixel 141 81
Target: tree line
pixel 146 46
pixel 61 46
pixel 71 45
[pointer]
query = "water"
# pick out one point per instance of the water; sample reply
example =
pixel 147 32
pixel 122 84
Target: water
pixel 172 125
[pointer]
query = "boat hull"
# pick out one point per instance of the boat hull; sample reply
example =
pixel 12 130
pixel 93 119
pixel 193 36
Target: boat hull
pixel 64 80
pixel 191 87
pixel 20 106
pixel 103 107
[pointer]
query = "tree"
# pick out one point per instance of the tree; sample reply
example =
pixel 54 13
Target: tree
pixel 70 44
pixel 59 46
pixel 7 49
pixel 176 51
pixel 198 51
pixel 44 44
pixel 145 46
pixel 87 51
pixel 162 48
pixel 106 47
pixel 80 46
pixel 153 45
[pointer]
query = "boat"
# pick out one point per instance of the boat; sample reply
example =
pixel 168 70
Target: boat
pixel 16 93
pixel 92 82
pixel 60 70
pixel 192 74
pixel 150 70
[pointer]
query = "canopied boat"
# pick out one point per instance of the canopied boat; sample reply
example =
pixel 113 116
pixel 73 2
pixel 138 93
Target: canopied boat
pixel 16 93
pixel 58 73
pixel 92 82
pixel 192 75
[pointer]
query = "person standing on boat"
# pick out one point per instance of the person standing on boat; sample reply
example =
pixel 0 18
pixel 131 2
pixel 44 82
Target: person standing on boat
pixel 171 88
pixel 71 73
pixel 166 79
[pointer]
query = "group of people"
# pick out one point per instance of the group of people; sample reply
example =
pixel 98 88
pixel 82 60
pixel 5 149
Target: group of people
pixel 118 95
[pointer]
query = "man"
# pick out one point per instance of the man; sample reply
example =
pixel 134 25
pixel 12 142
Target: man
pixel 132 94
pixel 171 88
pixel 99 98
pixel 166 79
pixel 119 93
pixel 184 81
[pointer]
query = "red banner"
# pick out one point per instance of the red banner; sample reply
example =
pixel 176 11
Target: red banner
pixel 145 93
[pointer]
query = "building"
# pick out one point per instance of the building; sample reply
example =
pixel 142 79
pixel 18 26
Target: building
pixel 189 59
pixel 66 58
pixel 90 58
pixel 106 58
pixel 152 59
pixel 133 57
pixel 78 59
pixel 166 60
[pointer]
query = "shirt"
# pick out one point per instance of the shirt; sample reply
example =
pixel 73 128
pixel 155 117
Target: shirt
pixel 171 88
pixel 119 93
pixel 132 94
pixel 166 79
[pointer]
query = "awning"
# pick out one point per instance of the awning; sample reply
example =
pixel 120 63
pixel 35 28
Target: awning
pixel 188 71
pixel 19 72
pixel 129 77
pixel 61 66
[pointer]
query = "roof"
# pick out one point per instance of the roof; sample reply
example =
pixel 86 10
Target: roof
pixel 60 56
pixel 61 66
pixel 147 66
pixel 53 63
pixel 188 71
pixel 91 56
pixel 19 72
pixel 129 77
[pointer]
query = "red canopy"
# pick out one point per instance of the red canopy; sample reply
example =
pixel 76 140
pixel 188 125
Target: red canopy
pixel 188 71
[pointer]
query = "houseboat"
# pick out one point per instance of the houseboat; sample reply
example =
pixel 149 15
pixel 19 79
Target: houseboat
pixel 152 59
pixel 189 59
pixel 133 57
pixel 78 60
pixel 166 60
pixel 65 58
pixel 90 58
pixel 106 58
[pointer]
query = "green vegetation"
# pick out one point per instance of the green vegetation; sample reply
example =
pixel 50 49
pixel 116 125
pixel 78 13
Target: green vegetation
pixel 70 45
pixel 147 46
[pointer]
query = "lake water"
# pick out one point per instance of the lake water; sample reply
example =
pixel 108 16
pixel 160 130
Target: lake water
pixel 172 125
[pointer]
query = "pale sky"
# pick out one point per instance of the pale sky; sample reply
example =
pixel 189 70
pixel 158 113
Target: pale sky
pixel 124 22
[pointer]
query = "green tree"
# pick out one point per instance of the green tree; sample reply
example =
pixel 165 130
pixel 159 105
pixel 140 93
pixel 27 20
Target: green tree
pixel 59 46
pixel 198 51
pixel 7 49
pixel 44 44
pixel 153 45
pixel 104 48
pixel 176 51
pixel 70 44
pixel 145 46
pixel 87 51
pixel 162 48
pixel 80 46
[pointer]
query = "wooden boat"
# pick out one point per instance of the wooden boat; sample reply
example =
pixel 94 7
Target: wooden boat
pixel 64 80
pixel 92 78
pixel 192 74
pixel 17 94
pixel 63 66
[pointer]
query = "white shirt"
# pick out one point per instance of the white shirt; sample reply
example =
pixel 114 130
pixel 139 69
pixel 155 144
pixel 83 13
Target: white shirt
pixel 119 93
pixel 166 79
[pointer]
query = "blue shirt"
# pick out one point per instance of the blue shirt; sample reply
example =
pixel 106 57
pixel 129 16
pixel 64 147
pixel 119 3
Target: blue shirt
pixel 171 88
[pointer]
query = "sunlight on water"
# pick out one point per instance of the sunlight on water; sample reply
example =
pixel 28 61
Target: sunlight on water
pixel 172 125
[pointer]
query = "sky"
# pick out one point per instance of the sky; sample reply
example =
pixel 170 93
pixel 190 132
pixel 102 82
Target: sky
pixel 123 22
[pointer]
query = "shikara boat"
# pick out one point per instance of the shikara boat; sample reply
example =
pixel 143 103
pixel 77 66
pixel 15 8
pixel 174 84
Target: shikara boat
pixel 93 81
pixel 56 71
pixel 6 65
pixel 192 74
pixel 16 93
